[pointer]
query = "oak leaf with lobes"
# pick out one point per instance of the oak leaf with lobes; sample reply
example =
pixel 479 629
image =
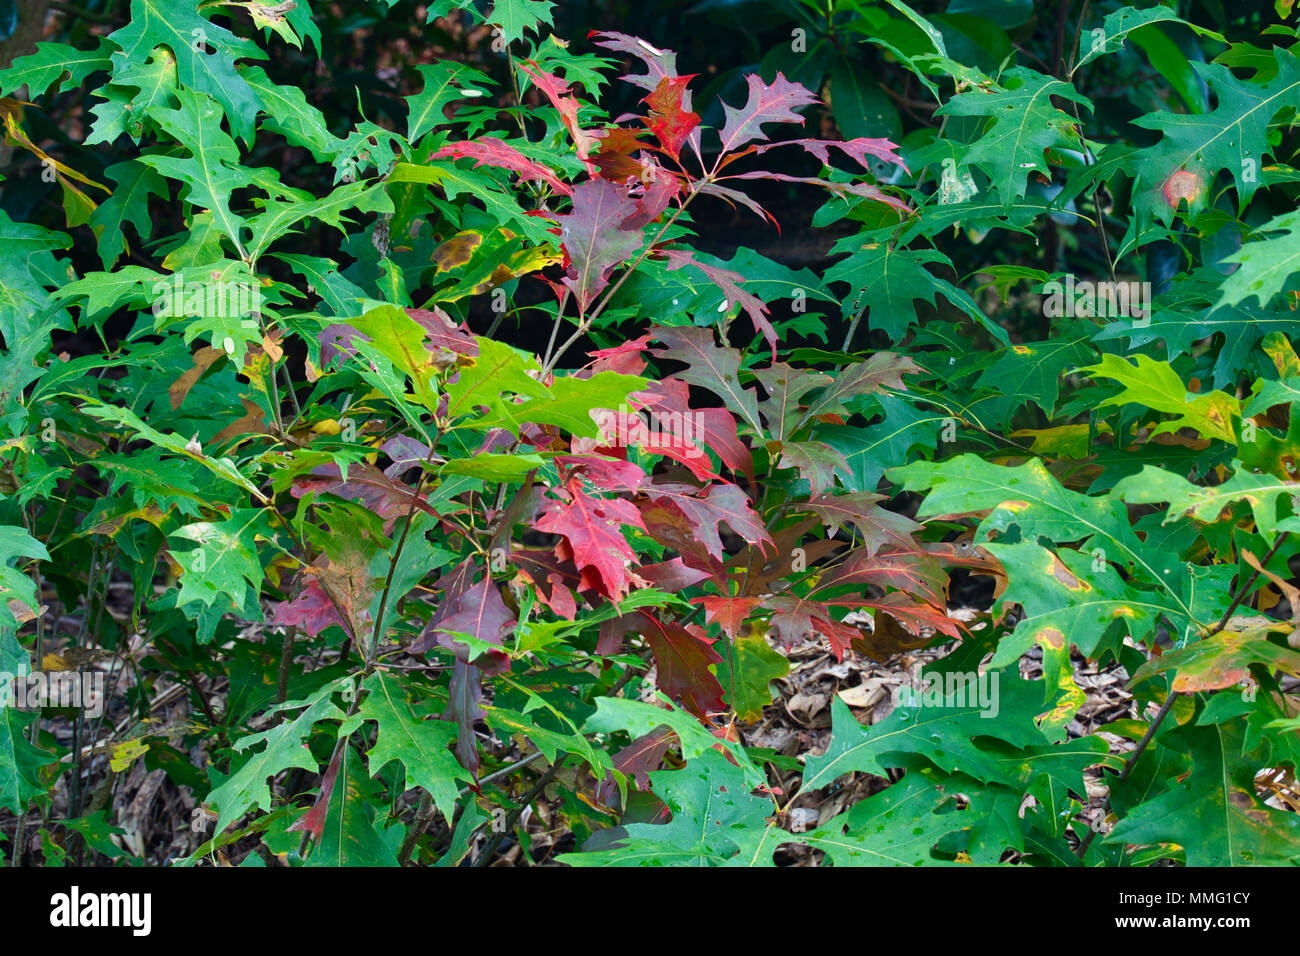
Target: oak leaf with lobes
pixel 683 518
pixel 480 613
pixel 592 536
pixel 682 658
pixel 493 152
pixel 594 238
pixel 670 120
pixel 767 103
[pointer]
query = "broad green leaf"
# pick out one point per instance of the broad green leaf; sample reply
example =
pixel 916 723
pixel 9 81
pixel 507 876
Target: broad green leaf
pixel 886 281
pixel 896 827
pixel 212 171
pixel 495 373
pixel 128 203
pixel 1024 122
pixel 445 82
pixel 1195 148
pixel 223 467
pixel 352 834
pixel 1028 496
pixel 289 114
pixel 748 667
pixel 1262 492
pixel 17 589
pixel 51 64
pixel 943 729
pixel 246 787
pixel 420 744
pixel 391 332
pixel 1157 386
pixel 1116 27
pixel 870 451
pixel 205 54
pixel 573 403
pixel 1267 265
pixel 1223 660
pixel 716 821
pixel 494 467
pixel 1214 814
pixel 514 17
pixel 20 762
pixel 225 565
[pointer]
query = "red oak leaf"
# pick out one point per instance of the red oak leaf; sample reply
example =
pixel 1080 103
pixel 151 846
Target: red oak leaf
pixel 912 571
pixel 365 483
pixel 452 585
pixel 614 154
pixel 659 191
pixel 715 428
pixel 767 103
pixel 672 575
pixel 636 760
pixel 625 359
pixel 876 525
pixel 815 461
pixel 313 821
pixel 606 473
pixel 729 283
pixel 730 613
pixel 857 149
pixel 463 694
pixel 481 613
pixel 677 517
pixel 551 578
pixel 556 91
pixel 733 196
pixel 311 610
pixel 865 190
pixel 670 121
pixel 493 152
pixel 916 615
pixel 592 537
pixel 793 553
pixel 682 658
pixel 660 64
pixel 797 619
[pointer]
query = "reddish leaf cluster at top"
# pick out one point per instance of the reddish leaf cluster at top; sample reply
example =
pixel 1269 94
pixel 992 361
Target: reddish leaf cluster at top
pixel 606 510
pixel 635 175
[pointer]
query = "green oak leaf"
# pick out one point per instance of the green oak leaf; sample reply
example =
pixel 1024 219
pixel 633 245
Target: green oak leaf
pixel 748 667
pixel 896 827
pixel 1023 123
pixel 1156 385
pixel 51 64
pixel 246 786
pixel 1196 147
pixel 716 821
pixel 205 54
pixel 445 82
pixel 1213 813
pixel 887 280
pixel 20 762
pixel 948 736
pixel 421 745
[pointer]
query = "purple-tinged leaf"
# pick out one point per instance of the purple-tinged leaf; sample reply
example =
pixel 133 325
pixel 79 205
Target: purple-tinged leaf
pixel 594 237
pixel 767 103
